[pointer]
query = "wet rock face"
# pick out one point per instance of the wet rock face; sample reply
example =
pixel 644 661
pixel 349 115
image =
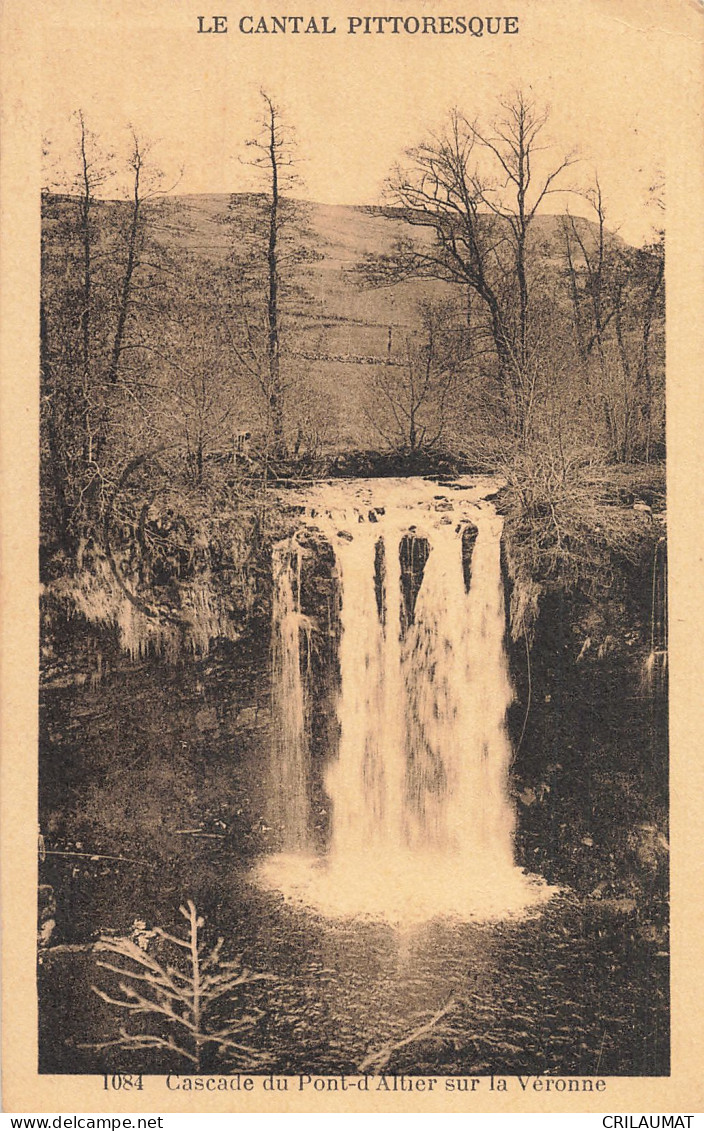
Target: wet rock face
pixel 413 553
pixel 320 606
pixel 469 537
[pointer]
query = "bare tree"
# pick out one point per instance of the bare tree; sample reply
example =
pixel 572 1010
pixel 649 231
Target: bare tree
pixel 70 315
pixel 273 156
pixel 478 192
pixel 591 324
pixel 93 254
pixel 652 272
pixel 617 295
pixel 132 257
pixel 412 389
pixel 202 401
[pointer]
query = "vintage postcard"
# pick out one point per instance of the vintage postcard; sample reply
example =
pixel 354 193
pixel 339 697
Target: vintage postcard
pixel 351 566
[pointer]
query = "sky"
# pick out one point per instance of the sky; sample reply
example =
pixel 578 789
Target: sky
pixel 357 103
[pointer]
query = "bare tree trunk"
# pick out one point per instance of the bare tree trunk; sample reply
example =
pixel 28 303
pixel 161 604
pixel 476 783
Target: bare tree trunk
pixel 125 294
pixel 574 294
pixel 276 408
pixel 626 438
pixel 85 208
pixel 644 376
pixel 54 445
pixel 118 340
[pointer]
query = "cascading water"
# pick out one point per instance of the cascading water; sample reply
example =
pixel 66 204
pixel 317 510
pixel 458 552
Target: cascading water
pixel 655 671
pixel 421 818
pixel 289 752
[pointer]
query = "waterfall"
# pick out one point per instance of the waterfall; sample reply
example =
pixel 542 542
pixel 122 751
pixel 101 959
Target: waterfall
pixel 421 817
pixel 458 694
pixel 290 748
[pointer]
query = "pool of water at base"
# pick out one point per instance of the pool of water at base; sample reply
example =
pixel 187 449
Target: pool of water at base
pixel 577 988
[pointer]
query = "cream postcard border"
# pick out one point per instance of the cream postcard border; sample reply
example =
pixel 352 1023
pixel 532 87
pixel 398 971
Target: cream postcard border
pixel 678 28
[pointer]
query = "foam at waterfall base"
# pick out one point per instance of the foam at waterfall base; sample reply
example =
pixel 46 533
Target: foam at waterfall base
pixel 408 888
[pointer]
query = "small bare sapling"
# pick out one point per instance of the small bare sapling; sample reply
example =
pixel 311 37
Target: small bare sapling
pixel 180 996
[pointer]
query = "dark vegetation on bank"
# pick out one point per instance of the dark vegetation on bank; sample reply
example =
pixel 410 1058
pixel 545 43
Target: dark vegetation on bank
pixel 190 374
pixel 178 808
pixel 586 579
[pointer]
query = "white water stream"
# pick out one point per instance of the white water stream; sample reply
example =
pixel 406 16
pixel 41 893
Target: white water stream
pixel 422 821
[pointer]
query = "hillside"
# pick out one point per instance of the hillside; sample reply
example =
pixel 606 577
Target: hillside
pixel 335 327
pixel 336 324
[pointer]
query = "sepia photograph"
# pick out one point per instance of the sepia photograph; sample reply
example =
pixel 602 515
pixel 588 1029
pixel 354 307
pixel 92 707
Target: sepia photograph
pixel 353 758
